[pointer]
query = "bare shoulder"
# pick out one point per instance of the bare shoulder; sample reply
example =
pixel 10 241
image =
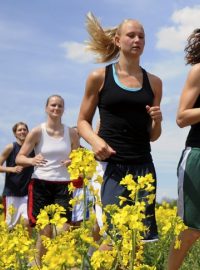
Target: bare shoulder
pixel 156 84
pixel 8 148
pixel 192 83
pixel 96 78
pixel 195 72
pixel 36 130
pixel 154 80
pixel 5 153
pixel 196 67
pixel 98 74
pixel 35 134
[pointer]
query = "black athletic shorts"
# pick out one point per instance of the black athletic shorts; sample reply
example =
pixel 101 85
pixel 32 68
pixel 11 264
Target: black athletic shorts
pixel 111 190
pixel 42 193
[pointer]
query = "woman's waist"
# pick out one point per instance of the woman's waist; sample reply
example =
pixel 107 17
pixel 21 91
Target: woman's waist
pixel 51 173
pixel 130 158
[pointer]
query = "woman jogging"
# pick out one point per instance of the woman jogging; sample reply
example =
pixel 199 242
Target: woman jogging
pixel 52 142
pixel 128 99
pixel 17 178
pixel 189 164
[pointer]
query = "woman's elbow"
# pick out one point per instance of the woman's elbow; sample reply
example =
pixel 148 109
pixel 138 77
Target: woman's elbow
pixel 17 160
pixel 180 122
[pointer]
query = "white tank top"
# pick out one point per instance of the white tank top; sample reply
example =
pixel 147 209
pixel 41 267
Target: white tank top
pixel 54 150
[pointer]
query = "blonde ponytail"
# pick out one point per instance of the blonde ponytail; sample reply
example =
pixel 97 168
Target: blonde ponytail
pixel 101 41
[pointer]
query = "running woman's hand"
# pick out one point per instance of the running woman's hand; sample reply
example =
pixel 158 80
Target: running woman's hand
pixel 155 113
pixel 102 150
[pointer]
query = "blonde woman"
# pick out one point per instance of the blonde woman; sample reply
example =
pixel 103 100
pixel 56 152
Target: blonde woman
pixel 128 99
pixel 52 142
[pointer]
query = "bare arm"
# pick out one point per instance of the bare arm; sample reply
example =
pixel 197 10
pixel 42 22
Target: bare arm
pixel 187 115
pixel 97 127
pixel 154 111
pixel 3 157
pixel 75 141
pixel 90 100
pixel 31 140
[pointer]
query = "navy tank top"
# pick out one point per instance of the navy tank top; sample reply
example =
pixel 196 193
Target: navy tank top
pixel 16 184
pixel 193 138
pixel 124 122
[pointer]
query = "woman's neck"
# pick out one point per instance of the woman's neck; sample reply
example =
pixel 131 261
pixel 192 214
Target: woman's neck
pixel 20 142
pixel 53 123
pixel 129 67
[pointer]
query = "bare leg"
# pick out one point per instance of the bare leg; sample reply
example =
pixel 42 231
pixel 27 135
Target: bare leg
pixel 47 231
pixel 176 256
pixel 29 228
pixel 96 236
pixel 95 232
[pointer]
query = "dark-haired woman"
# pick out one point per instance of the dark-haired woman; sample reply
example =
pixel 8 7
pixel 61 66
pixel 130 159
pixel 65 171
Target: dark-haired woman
pixel 189 164
pixel 17 178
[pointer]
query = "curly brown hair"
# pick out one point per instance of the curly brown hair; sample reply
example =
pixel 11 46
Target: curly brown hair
pixel 192 48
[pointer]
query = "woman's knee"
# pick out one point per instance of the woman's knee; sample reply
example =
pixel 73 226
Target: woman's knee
pixel 195 234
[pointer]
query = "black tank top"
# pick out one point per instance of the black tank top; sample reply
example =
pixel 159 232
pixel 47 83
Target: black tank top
pixel 193 138
pixel 16 184
pixel 124 122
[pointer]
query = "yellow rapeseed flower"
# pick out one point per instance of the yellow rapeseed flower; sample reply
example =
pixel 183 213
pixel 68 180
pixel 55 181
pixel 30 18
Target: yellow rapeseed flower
pixel 82 164
pixel 51 214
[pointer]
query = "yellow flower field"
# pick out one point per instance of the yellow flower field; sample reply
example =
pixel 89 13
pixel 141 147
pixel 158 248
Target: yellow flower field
pixel 123 231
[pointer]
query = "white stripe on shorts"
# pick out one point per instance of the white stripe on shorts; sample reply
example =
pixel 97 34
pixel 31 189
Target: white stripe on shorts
pixel 20 209
pixel 181 173
pixel 101 167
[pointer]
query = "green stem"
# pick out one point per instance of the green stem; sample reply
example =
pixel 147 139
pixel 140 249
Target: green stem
pixel 87 259
pixel 133 237
pixel 133 252
pixel 54 230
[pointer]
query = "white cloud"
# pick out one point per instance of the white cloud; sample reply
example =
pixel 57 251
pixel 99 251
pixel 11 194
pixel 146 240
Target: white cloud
pixel 173 37
pixel 76 51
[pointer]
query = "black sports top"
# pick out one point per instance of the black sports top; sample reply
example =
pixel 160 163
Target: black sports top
pixel 16 184
pixel 193 138
pixel 124 121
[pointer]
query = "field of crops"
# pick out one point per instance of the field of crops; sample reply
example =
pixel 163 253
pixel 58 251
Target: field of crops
pixel 123 232
pixel 66 251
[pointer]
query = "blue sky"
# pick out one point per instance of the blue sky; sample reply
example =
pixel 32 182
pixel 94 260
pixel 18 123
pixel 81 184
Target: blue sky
pixel 42 53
